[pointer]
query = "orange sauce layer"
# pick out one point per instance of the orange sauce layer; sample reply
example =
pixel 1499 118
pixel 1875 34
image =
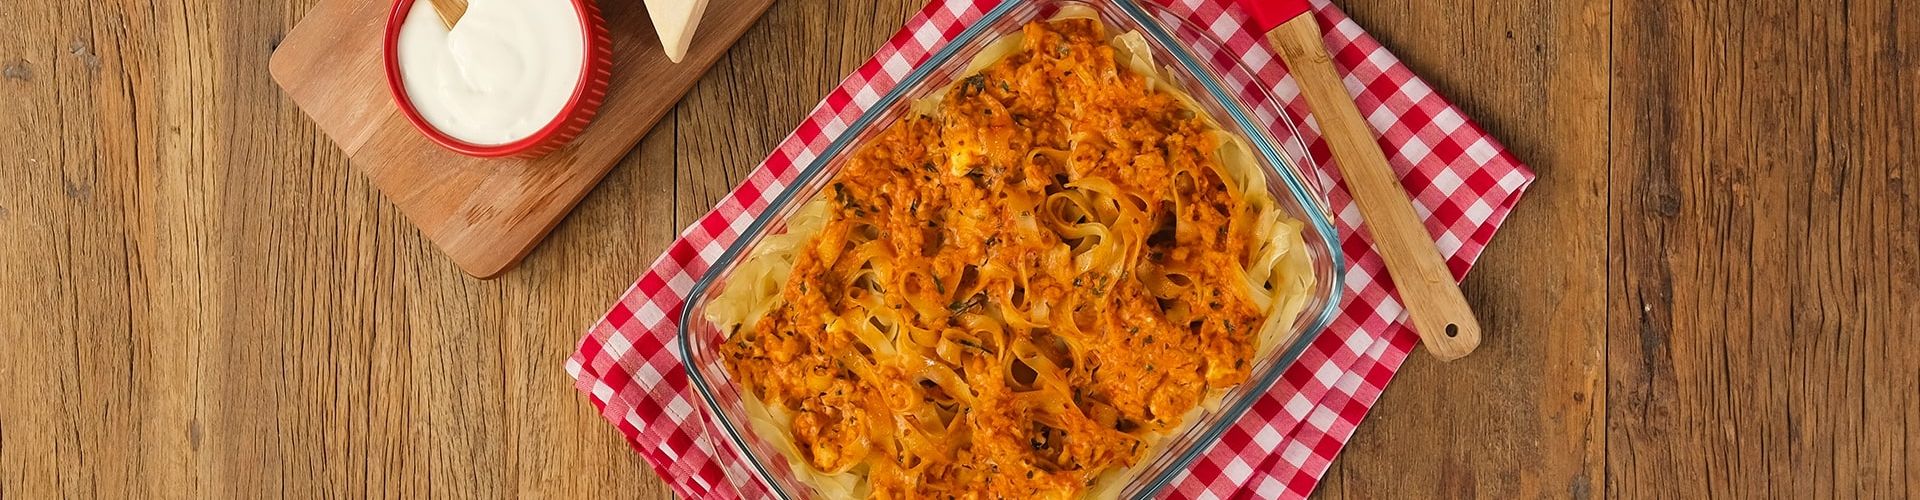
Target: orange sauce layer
pixel 1013 292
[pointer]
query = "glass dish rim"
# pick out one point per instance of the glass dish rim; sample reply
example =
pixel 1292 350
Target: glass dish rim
pixel 1308 196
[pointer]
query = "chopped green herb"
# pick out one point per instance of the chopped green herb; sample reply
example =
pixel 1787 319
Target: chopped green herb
pixel 970 344
pixel 973 84
pixel 965 305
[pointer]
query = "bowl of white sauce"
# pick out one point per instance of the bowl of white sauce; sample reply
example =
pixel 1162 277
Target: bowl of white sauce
pixel 514 78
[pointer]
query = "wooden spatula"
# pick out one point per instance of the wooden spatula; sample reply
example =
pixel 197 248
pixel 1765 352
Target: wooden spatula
pixel 450 10
pixel 1440 314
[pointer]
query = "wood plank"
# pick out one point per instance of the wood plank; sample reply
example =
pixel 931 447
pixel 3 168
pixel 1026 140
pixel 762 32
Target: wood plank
pixel 168 354
pixel 1531 398
pixel 332 351
pixel 1764 238
pixel 486 214
pixel 757 95
pixel 200 296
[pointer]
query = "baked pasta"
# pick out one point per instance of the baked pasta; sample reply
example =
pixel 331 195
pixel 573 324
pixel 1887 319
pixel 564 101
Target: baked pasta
pixel 1018 289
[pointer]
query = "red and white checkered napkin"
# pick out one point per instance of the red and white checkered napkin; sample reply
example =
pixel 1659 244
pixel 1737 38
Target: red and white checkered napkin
pixel 1463 181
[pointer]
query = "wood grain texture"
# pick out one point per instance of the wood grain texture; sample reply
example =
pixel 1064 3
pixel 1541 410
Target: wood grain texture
pixel 1523 415
pixel 1436 309
pixel 485 213
pixel 1710 291
pixel 450 11
pixel 1763 292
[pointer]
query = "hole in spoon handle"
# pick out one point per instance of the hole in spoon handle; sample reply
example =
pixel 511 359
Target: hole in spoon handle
pixel 1449 340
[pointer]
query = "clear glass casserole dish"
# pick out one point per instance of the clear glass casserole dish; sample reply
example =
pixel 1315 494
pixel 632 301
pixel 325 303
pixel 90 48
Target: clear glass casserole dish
pixel 1207 83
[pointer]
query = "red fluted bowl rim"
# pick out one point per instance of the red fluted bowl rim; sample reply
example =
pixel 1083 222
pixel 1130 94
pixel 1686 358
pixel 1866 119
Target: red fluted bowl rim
pixel 588 92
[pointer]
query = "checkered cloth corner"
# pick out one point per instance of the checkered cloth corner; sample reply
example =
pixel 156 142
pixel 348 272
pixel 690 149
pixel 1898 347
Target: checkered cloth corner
pixel 1464 183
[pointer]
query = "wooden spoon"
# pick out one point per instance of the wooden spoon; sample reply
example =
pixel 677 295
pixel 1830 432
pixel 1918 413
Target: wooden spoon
pixel 1439 312
pixel 450 10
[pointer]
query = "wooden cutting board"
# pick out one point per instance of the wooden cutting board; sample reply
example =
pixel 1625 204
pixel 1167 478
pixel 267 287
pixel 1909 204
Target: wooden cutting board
pixel 486 214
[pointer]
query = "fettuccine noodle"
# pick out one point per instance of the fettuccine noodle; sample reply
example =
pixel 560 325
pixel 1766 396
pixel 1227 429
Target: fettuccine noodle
pixel 1016 291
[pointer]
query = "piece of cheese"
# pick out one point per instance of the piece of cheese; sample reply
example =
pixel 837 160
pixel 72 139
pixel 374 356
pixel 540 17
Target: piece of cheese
pixel 675 21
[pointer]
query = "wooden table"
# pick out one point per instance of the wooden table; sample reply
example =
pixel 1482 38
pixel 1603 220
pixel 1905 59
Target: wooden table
pixel 1711 291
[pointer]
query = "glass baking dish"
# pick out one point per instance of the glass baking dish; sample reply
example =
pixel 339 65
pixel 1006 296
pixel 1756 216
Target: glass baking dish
pixel 749 459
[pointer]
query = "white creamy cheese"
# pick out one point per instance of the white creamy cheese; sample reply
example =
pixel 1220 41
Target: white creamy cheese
pixel 505 70
pixel 675 21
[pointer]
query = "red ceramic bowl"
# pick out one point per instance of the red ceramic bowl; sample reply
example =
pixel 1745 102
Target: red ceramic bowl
pixel 595 70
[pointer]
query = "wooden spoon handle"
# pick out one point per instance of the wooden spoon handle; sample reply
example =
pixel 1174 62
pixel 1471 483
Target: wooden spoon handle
pixel 1433 300
pixel 450 10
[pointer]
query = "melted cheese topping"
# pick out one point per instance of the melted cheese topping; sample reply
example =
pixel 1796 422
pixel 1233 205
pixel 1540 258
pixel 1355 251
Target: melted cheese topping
pixel 1015 293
